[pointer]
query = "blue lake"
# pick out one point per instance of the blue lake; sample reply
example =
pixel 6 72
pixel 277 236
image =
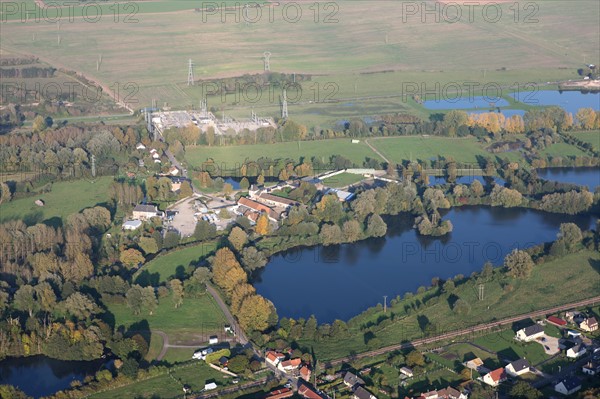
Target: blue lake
pixel 589 177
pixel 340 281
pixel 570 101
pixel 39 376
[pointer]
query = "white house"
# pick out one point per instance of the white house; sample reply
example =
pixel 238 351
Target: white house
pixel 273 358
pixel 518 367
pixel 591 368
pixel 140 146
pixel 289 365
pixel 568 386
pixel 351 379
pixel 530 333
pixel 213 340
pixel 143 212
pixel 406 371
pixel 494 378
pixel 576 351
pixel 590 324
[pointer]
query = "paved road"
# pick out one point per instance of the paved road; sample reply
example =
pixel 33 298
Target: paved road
pixel 471 330
pixel 239 333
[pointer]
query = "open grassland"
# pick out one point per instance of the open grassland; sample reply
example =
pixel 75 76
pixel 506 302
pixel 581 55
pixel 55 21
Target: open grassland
pixel 191 322
pixel 564 280
pixel 592 137
pixel 398 149
pixel 174 264
pixel 64 199
pixel 151 48
pixel 168 385
pixel 504 344
pixel 230 156
pixel 342 180
pixel 563 150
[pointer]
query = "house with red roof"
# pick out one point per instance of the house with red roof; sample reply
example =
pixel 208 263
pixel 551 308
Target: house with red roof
pixel 494 378
pixel 280 394
pixel 305 373
pixel 289 365
pixel 274 358
pixel 307 392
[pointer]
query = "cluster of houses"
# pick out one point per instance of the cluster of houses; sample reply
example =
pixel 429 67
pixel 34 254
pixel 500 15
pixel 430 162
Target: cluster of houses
pixel 260 200
pixel 445 393
pixel 153 153
pixel 356 384
pixel 290 367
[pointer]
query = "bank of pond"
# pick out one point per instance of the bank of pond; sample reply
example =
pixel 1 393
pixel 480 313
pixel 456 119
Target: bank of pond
pixel 40 376
pixel 341 281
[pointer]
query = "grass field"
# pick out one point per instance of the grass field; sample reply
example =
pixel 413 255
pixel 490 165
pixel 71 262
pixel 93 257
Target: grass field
pixel 563 150
pixel 167 385
pixel 193 320
pixel 233 156
pixel 342 180
pixel 592 137
pixel 557 282
pixel 64 199
pixel 163 267
pixel 399 149
pixel 365 37
pixel 507 348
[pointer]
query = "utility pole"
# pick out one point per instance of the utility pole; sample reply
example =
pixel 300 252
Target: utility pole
pixel 385 304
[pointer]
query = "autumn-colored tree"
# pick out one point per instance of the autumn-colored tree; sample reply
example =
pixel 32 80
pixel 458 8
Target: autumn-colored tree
pixel 519 264
pixel 185 190
pixel 227 272
pixel 351 230
pixel 240 292
pixel 329 209
pixel 148 245
pixel 237 238
pixel 227 189
pixel 256 313
pixel 131 257
pixel 586 118
pixel 263 225
pixel 177 292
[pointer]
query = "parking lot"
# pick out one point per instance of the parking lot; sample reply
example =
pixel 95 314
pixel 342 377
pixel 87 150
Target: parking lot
pixel 184 221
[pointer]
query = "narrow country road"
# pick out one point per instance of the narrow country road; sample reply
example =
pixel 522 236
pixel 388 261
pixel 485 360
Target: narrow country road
pixel 241 337
pixel 471 330
pixel 376 151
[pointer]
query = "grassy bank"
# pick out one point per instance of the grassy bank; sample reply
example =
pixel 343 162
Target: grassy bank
pixel 564 280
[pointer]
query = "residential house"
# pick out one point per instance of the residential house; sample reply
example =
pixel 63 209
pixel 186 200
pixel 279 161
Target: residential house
pixel 474 364
pixel 361 393
pixel 288 366
pixel 530 333
pixel 140 146
pixel 557 321
pixel 518 367
pixel 450 393
pixel 145 212
pixel 173 171
pixel 273 200
pixel 573 334
pixel 132 225
pixel 351 380
pixel 406 371
pixel 494 378
pixel 574 317
pixel 305 373
pixel 591 368
pixel 246 203
pixel 213 339
pixel 273 358
pixel 155 155
pixel 280 394
pixel 590 324
pixel 576 351
pixel 307 392
pixel 568 386
pixel 223 361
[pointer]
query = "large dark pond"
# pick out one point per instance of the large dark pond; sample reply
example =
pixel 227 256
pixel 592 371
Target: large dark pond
pixel 39 376
pixel 338 282
pixel 589 177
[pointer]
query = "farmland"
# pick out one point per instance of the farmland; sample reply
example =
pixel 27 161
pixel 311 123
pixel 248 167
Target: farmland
pixel 87 194
pixel 371 52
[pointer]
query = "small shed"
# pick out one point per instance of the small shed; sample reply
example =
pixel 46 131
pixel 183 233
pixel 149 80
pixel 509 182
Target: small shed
pixel 39 202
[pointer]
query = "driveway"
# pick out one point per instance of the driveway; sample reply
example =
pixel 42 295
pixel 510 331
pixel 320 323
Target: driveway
pixel 551 343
